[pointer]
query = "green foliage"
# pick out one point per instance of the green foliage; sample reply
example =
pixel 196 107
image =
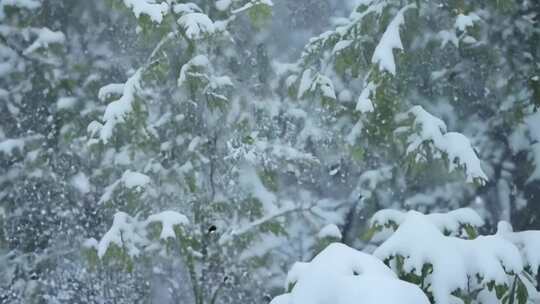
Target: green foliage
pixel 260 14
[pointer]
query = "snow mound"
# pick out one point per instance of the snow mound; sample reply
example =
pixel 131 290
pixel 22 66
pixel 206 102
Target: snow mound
pixel 342 275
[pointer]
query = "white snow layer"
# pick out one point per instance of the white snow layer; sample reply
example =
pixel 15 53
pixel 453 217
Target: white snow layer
pixel 329 231
pixel 130 179
pixel 309 83
pixel 364 103
pixel 450 222
pixel 456 263
pixel 8 146
pixel 342 275
pixel 117 110
pixel 390 40
pixel 251 4
pixel 456 146
pixel 44 38
pixel 80 182
pixel 133 179
pixel 199 61
pixel 223 5
pixel 168 220
pixel 184 8
pixel 196 25
pixel 155 11
pixel 130 234
pixel 66 103
pixel 109 90
pixel 527 241
pixel 464 21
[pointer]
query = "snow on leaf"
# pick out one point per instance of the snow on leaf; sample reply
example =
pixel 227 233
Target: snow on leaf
pixel 196 25
pixel 456 263
pixel 45 37
pixel 124 233
pixel 390 40
pixel 168 220
pixel 370 179
pixel 329 231
pixel 131 234
pixel 109 90
pixel 132 179
pixel 154 10
pixel 326 86
pixel 184 8
pixel 251 4
pixel 66 103
pixel 223 5
pixel 364 103
pixel 448 36
pixel 432 130
pixel 310 82
pixel 528 243
pixel 464 21
pixel 451 222
pixel 305 83
pixel 355 132
pixel 28 4
pixel 199 61
pixel 117 110
pixel 8 146
pixel 341 45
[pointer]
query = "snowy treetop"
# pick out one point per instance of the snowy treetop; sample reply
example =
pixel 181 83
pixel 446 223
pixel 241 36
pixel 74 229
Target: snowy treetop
pixel 448 263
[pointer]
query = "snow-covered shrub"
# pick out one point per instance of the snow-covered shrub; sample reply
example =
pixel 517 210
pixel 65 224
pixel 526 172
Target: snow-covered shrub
pixel 444 255
pixel 423 258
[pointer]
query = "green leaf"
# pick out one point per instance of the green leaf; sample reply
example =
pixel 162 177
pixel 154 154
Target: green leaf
pixel 522 293
pixel 368 235
pixel 500 290
pixel 471 231
pixel 259 15
pixel 273 227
